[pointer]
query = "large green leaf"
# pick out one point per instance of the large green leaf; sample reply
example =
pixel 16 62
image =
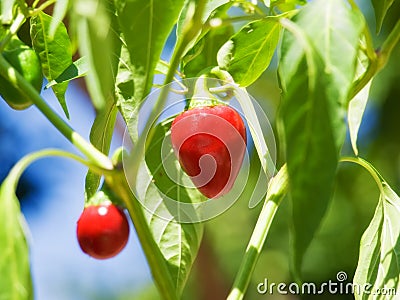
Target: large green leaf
pixel 15 276
pixel 145 26
pixel 99 41
pixel 316 70
pixel 178 242
pixel 249 52
pixel 381 7
pixel 55 52
pixel 379 259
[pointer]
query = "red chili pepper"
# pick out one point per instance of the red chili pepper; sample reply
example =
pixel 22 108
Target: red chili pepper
pixel 102 230
pixel 210 142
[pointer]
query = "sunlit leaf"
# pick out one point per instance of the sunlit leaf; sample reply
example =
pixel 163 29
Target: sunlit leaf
pixel 99 41
pixel 355 113
pixel 15 276
pixel 249 52
pixel 379 258
pixel 55 53
pixel 178 242
pixel 358 104
pixel 145 36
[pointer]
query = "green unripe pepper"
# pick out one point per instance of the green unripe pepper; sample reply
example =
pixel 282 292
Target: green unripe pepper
pixel 27 63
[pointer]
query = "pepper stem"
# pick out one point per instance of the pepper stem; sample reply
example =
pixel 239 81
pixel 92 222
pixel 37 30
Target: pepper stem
pixel 201 94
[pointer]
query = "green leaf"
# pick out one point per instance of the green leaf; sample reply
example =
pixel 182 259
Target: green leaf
pixel 381 7
pixel 99 41
pixel 316 72
pixel 178 242
pixel 77 69
pixel 157 162
pixel 124 91
pixel 355 113
pixel 249 52
pixel 145 26
pixel 357 105
pixel 256 131
pixel 15 273
pixel 378 263
pixel 100 136
pixel 55 53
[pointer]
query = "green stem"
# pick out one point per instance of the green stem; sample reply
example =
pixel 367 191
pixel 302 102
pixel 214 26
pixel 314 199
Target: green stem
pixel 17 170
pixel 19 82
pixel 378 59
pixel 42 7
pixel 370 168
pixel 388 46
pixel 190 31
pixel 155 259
pixel 276 192
pixel 201 94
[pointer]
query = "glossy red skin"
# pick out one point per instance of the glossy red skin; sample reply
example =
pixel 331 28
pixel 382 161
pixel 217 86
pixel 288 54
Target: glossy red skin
pixel 218 131
pixel 102 230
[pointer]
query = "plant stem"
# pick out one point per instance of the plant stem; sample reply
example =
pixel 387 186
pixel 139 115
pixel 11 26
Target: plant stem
pixel 155 259
pixel 388 46
pixel 276 191
pixel 378 59
pixel 17 170
pixel 370 168
pixel 43 6
pixel 190 31
pixel 18 81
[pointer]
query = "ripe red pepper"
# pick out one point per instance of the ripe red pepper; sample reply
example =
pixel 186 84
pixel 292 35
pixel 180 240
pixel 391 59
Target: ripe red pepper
pixel 102 230
pixel 210 142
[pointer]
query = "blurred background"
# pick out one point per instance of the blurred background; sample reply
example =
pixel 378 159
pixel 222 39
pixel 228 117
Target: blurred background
pixel 52 193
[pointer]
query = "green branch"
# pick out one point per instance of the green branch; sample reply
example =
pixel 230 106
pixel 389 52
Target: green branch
pixel 386 50
pixel 378 59
pixel 277 190
pixel 155 258
pixel 369 167
pixel 17 170
pixel 190 30
pixel 19 82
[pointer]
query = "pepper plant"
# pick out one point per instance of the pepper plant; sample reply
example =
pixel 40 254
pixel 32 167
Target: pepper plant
pixel 326 60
